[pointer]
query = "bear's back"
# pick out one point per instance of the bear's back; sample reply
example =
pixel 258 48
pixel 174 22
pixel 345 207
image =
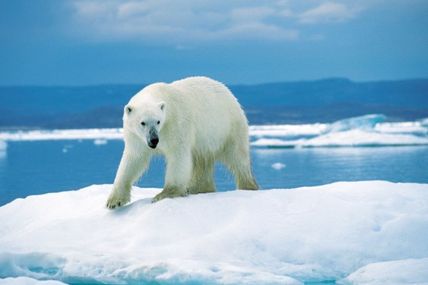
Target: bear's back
pixel 214 109
pixel 208 94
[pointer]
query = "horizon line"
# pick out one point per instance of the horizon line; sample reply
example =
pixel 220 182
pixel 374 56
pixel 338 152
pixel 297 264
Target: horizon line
pixel 338 78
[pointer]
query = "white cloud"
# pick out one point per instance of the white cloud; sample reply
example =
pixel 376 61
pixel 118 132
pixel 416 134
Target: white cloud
pixel 257 30
pixel 183 22
pixel 130 9
pixel 246 14
pixel 328 12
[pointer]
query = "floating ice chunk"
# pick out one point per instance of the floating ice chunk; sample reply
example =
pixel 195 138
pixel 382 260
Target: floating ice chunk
pixel 346 138
pixel 407 271
pixel 308 234
pixel 274 143
pixel 100 142
pixel 278 165
pixel 424 122
pixel 67 147
pixel 287 130
pixel 27 281
pixel 363 138
pixel 369 130
pixel 366 122
pixel 62 134
pixel 415 128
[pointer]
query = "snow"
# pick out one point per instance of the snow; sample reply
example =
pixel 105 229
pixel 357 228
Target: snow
pixel 278 165
pixel 352 230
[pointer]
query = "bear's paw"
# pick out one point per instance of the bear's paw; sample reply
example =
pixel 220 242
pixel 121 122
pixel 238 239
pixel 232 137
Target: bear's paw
pixel 116 201
pixel 170 192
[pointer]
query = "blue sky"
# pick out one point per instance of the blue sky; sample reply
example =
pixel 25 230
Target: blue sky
pixel 79 42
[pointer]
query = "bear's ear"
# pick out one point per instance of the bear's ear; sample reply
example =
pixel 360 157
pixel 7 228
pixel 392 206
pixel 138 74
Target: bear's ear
pixel 162 105
pixel 128 109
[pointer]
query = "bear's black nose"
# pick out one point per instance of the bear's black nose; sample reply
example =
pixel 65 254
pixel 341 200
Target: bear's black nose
pixel 153 142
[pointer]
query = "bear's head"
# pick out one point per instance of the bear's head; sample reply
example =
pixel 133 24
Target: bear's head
pixel 145 119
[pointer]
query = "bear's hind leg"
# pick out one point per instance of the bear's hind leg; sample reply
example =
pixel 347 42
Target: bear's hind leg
pixel 237 158
pixel 244 176
pixel 202 175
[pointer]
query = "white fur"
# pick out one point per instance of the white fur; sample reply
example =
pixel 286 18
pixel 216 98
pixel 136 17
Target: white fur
pixel 198 121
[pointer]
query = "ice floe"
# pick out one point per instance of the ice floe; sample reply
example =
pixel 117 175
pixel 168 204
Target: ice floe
pixel 73 134
pixel 349 232
pixel 368 130
pixel 100 142
pixel 28 281
pixel 278 165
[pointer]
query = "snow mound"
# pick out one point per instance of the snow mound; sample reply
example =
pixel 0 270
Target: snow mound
pixel 310 234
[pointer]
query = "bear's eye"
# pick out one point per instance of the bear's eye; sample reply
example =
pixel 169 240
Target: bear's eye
pixel 143 123
pixel 128 109
pixel 158 122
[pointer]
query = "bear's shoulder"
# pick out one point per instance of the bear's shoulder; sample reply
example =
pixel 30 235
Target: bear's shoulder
pixel 196 80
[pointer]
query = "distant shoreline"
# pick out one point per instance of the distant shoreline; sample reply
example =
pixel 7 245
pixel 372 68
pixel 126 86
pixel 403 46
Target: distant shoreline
pixel 297 102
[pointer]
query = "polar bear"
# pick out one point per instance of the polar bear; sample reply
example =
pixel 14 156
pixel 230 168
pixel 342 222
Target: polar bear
pixel 193 122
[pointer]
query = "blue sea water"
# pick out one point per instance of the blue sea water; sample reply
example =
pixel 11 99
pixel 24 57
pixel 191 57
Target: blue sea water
pixel 36 167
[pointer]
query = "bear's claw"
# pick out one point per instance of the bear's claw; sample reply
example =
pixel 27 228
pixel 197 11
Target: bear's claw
pixel 115 201
pixel 169 192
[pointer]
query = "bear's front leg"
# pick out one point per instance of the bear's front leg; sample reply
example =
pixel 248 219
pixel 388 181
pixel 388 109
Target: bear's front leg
pixel 119 196
pixel 130 168
pixel 178 174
